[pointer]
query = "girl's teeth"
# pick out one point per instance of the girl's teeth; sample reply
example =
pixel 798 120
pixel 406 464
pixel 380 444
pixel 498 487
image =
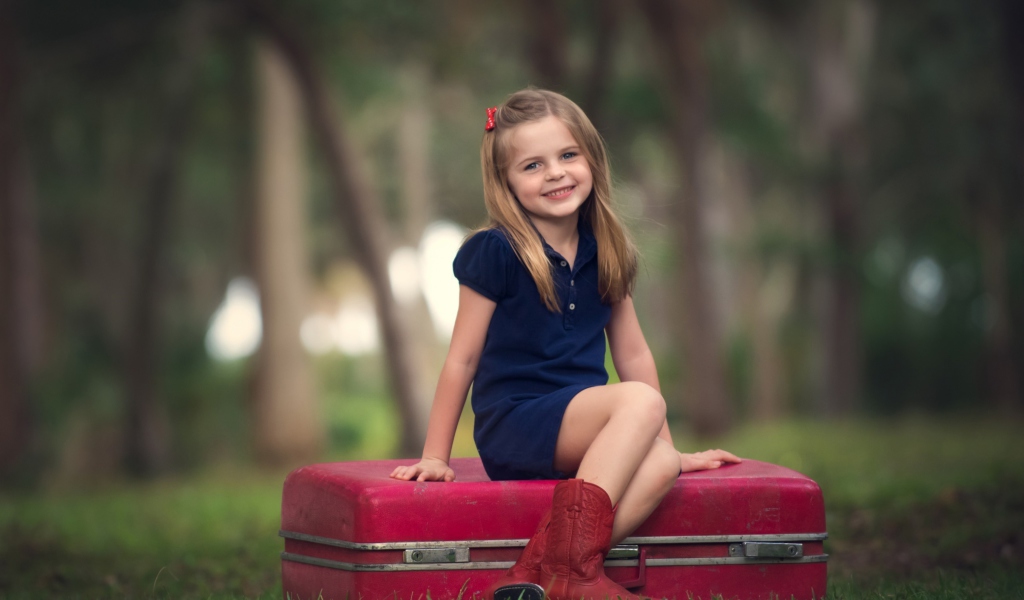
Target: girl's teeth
pixel 558 192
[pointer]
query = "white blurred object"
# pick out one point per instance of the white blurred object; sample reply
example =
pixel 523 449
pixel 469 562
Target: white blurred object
pixel 440 243
pixel 355 326
pixel 317 334
pixel 404 273
pixel 236 327
pixel 924 286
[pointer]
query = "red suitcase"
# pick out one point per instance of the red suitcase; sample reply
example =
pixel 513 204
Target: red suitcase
pixel 747 531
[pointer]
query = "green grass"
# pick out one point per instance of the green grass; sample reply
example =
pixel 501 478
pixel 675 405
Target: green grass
pixel 886 463
pixel 993 583
pixel 916 508
pixel 213 536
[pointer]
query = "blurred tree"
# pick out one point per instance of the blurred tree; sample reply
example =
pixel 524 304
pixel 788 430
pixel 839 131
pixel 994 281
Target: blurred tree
pixel 147 434
pixel 998 217
pixel 679 31
pixel 358 207
pixel 547 41
pixel 609 15
pixel 20 318
pixel 416 176
pixel 943 153
pixel 1002 376
pixel 414 127
pixel 286 416
pixel 839 37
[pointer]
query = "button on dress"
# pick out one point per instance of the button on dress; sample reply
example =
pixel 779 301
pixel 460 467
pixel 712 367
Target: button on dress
pixel 534 361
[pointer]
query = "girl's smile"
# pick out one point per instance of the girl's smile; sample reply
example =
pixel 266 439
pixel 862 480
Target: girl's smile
pixel 560 193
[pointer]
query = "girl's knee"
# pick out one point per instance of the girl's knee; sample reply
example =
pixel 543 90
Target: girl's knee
pixel 643 401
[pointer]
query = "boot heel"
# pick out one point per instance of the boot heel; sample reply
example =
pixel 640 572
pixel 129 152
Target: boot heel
pixel 519 591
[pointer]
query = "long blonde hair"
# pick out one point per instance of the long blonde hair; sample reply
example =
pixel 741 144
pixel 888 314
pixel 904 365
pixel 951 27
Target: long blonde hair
pixel 616 253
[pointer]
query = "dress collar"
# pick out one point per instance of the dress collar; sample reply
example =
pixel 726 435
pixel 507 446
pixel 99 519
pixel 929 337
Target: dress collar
pixel 586 247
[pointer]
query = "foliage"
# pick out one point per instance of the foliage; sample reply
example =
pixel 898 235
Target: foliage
pixel 941 133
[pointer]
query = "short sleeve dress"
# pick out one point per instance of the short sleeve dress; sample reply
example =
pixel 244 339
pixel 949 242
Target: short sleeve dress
pixel 534 361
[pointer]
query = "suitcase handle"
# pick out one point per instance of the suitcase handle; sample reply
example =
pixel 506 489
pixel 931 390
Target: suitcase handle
pixel 641 572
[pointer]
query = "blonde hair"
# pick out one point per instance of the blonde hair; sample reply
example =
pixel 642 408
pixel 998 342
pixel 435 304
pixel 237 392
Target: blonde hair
pixel 616 253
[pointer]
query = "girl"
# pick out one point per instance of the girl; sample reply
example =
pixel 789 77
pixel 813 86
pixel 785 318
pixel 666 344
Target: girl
pixel 539 290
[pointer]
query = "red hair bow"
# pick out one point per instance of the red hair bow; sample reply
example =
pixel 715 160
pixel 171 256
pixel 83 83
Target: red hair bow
pixel 490 118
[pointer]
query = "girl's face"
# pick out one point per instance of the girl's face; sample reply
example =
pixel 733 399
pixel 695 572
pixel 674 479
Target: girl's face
pixel 548 173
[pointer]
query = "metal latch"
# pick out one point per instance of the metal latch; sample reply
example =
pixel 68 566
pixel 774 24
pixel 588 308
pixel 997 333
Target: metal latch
pixel 436 555
pixel 767 550
pixel 623 552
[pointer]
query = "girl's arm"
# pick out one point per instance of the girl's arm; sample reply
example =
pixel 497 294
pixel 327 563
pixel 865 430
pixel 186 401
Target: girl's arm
pixel 630 354
pixel 457 374
pixel 634 362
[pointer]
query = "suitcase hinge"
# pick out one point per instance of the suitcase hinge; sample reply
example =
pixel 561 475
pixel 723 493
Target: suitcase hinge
pixel 436 555
pixel 767 550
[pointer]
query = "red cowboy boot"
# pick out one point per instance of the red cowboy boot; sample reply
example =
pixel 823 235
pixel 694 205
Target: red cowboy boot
pixel 520 581
pixel 578 539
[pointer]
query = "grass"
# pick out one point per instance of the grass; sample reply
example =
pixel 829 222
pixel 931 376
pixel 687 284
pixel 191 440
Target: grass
pixel 941 585
pixel 212 536
pixel 917 508
pixel 887 463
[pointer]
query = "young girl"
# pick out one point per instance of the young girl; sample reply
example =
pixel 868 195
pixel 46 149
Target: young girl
pixel 540 289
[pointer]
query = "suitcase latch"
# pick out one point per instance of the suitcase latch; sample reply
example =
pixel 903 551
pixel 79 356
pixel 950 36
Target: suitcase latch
pixel 623 552
pixel 436 555
pixel 767 550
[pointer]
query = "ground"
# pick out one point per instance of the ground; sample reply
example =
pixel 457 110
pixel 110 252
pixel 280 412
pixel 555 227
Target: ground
pixel 915 509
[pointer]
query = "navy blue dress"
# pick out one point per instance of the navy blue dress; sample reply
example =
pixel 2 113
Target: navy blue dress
pixel 534 361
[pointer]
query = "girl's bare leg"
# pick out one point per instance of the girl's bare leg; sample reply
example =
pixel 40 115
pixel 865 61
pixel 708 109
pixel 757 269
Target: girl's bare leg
pixel 609 437
pixel 655 477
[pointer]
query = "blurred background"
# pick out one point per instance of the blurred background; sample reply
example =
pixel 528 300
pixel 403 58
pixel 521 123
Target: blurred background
pixel 227 226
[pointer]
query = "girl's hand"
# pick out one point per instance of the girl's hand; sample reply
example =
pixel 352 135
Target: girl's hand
pixel 709 459
pixel 428 469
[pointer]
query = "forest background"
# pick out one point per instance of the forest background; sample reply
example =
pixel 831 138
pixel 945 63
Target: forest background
pixel 226 231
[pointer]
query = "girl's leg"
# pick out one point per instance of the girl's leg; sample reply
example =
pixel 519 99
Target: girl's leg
pixel 655 477
pixel 609 437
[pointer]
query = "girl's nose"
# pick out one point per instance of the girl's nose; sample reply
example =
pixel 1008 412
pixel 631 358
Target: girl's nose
pixel 555 172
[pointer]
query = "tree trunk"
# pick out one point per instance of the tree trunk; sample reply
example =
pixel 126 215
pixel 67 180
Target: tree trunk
pixel 547 36
pixel 19 273
pixel 839 40
pixel 413 144
pixel 758 296
pixel 417 196
pixel 1012 13
pixel 1002 376
pixel 147 439
pixel 595 88
pixel 358 209
pixel 679 30
pixel 287 424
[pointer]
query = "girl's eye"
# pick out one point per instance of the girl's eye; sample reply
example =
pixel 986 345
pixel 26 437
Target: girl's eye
pixel 569 155
pixel 531 166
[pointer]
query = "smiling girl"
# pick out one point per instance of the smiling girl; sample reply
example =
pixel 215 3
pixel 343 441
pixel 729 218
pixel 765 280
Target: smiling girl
pixel 540 288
